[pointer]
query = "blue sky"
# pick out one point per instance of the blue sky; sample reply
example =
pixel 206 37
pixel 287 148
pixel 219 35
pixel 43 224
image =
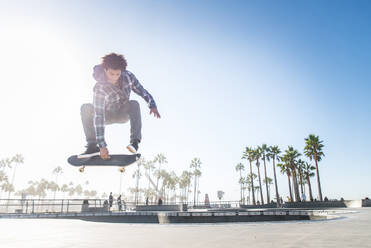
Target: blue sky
pixel 225 75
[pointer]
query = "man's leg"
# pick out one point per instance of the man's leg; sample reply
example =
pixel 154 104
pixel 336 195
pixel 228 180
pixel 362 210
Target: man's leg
pixel 135 121
pixel 87 118
pixel 131 111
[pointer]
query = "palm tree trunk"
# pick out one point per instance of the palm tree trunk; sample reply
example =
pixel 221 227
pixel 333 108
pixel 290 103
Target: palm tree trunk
pixel 261 191
pixel 266 183
pixel 158 178
pixel 275 181
pixel 13 177
pixel 194 193
pixel 252 185
pixel 318 181
pixel 310 189
pixel 295 182
pixel 240 186
pixel 243 194
pixel 301 183
pixel 288 176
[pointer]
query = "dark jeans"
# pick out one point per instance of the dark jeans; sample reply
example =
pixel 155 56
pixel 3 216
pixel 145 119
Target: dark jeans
pixel 129 111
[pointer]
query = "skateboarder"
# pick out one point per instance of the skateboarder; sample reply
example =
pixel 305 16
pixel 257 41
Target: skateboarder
pixel 110 199
pixel 111 104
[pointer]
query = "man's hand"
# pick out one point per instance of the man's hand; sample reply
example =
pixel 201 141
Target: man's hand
pixel 104 153
pixel 155 112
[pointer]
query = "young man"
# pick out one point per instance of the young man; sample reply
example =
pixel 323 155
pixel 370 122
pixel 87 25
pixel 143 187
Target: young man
pixel 111 104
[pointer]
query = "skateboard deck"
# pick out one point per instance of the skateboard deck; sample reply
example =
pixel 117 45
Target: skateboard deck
pixel 121 160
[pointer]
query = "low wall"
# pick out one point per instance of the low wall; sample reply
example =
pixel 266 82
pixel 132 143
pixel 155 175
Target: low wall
pixel 315 205
pixel 178 207
pixel 94 209
pixel 183 217
pixel 270 205
pixel 366 203
pixel 318 204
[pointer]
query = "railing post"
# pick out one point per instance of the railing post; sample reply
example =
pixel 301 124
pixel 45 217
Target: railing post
pixel 62 207
pixel 68 204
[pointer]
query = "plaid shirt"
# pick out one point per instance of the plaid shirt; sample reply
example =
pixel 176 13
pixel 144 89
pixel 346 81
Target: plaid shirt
pixel 109 97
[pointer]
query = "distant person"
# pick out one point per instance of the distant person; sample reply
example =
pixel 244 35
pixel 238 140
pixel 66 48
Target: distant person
pixel 160 201
pixel 112 104
pixel 303 197
pixel 105 205
pixel 147 201
pixel 124 202
pixel 207 201
pixel 110 200
pixel 119 203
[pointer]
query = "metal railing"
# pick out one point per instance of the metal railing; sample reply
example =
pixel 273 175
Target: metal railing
pixel 31 206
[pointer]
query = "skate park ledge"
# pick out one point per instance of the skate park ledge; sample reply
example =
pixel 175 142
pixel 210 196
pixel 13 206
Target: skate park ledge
pixel 186 217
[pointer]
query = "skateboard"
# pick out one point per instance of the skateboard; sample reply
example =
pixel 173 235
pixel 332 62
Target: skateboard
pixel 121 160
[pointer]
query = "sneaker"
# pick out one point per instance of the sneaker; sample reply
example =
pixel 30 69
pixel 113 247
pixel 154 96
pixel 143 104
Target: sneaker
pixel 133 147
pixel 91 151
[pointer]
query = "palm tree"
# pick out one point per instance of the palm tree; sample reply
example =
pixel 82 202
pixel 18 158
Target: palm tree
pixel 300 164
pixel 268 181
pixel 308 173
pixel 250 183
pixel 257 189
pixel 285 169
pixel 71 189
pixel 274 153
pixel 184 183
pixel 313 150
pixel 3 180
pixel 7 187
pixel 290 157
pixel 243 183
pixel 195 165
pixel 149 166
pixel 53 187
pixel 174 180
pixel 249 155
pixel 17 159
pixel 257 156
pixel 58 170
pixel 264 152
pixel 165 176
pixel 137 174
pixel 41 188
pixel 160 159
pixel 64 189
pixel 197 174
pixel 239 168
pixel 78 190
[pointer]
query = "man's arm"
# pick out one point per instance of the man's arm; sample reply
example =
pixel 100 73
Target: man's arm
pixel 138 89
pixel 98 102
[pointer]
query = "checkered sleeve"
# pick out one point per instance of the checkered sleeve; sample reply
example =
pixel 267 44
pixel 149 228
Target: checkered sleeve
pixel 138 88
pixel 99 104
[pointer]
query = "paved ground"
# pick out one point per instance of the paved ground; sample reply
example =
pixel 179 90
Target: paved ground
pixel 352 230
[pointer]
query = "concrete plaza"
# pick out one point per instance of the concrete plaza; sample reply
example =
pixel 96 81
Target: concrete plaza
pixel 350 230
